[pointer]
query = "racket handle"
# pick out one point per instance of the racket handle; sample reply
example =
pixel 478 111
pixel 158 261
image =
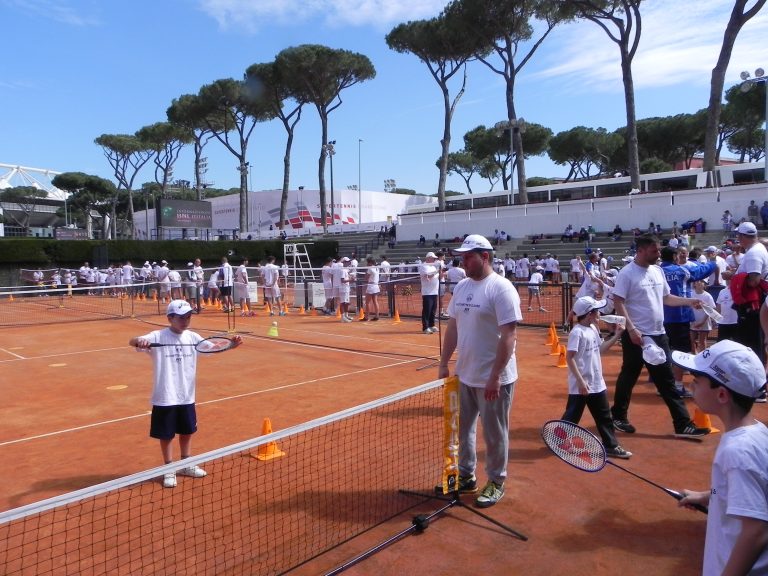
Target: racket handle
pixel 678 496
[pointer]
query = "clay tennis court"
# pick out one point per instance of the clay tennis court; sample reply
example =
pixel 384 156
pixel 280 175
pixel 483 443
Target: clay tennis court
pixel 75 401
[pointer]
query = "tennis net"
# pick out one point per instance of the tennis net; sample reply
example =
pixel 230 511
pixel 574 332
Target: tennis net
pixel 266 506
pixel 45 305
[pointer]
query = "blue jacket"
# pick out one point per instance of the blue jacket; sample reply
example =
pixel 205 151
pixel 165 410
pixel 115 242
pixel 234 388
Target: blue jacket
pixel 679 279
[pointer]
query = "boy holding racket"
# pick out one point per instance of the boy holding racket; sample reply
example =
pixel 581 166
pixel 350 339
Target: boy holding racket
pixel 728 377
pixel 173 393
pixel 586 386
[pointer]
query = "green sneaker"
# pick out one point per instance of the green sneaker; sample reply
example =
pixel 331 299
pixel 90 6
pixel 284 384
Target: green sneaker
pixel 467 485
pixel 491 494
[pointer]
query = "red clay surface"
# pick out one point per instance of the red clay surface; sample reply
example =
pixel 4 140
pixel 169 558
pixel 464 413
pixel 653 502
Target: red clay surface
pixel 75 401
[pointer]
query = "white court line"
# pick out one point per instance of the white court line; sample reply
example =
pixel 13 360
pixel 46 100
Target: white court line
pixel 61 354
pixel 235 397
pixel 18 357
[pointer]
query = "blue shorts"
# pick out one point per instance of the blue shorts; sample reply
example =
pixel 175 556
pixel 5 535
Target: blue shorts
pixel 167 421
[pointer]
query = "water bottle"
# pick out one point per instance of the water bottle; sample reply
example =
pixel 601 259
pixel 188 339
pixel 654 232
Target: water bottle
pixel 614 319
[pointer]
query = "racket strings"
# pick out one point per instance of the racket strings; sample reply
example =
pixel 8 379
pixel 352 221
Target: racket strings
pixel 574 445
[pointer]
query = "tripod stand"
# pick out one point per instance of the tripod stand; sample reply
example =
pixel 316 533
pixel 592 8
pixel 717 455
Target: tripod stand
pixel 421 522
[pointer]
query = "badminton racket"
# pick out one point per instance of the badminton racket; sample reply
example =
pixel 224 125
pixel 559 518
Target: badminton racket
pixel 581 449
pixel 211 345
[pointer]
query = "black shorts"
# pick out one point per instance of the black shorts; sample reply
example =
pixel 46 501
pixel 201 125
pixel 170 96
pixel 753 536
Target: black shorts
pixel 679 334
pixel 226 290
pixel 167 421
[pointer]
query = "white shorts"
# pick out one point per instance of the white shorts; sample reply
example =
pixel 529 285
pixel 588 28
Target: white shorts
pixel 344 294
pixel 272 291
pixel 372 289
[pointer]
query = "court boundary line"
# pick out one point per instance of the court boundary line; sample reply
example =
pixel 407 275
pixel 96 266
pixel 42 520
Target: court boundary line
pixel 213 401
pixel 18 356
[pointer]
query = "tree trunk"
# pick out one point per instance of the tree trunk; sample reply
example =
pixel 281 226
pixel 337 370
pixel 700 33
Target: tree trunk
pixel 445 144
pixel 629 99
pixel 243 195
pixel 287 177
pixel 735 23
pixel 198 177
pixel 516 139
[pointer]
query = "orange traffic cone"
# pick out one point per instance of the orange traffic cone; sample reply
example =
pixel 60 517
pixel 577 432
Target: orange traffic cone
pixel 269 450
pixel 555 350
pixel 361 314
pixel 702 420
pixel 10 298
pixel 154 295
pixel 561 363
pixel 285 308
pixel 269 307
pixel 313 312
pixel 551 334
pixel 338 312
pixel 396 319
pixel 302 312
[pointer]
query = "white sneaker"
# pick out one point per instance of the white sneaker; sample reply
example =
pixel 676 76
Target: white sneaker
pixel 169 480
pixel 346 319
pixel 434 330
pixel 427 331
pixel 193 471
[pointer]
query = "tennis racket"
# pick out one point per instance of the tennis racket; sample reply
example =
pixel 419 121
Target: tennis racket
pixel 211 345
pixel 581 449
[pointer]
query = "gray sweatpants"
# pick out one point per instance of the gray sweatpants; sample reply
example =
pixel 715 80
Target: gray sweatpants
pixel 495 417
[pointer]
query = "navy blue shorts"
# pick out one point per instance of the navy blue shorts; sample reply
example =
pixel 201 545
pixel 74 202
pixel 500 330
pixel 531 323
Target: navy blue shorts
pixel 167 421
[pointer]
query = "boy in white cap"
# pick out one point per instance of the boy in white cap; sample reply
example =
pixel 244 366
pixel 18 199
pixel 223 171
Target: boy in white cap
pixel 173 393
pixel 727 378
pixel 586 386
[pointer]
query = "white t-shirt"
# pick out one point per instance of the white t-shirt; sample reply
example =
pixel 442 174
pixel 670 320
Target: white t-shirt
pixel 174 367
pixel 755 260
pixel 453 276
pixel 643 290
pixel 225 275
pixel 384 267
pixel 536 278
pixel 327 275
pixel 725 301
pixel 430 279
pixel 585 342
pixel 480 308
pixel 372 278
pixel 739 488
pixel 127 274
pixel 174 278
pixel 271 274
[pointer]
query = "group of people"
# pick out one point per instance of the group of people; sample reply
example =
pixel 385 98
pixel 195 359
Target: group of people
pixel 483 314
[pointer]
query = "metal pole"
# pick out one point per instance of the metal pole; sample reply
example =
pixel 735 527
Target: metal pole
pixel 359 184
pixel 333 208
pixel 765 150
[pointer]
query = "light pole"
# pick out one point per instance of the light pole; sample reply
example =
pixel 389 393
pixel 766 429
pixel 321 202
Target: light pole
pixel 746 86
pixel 301 205
pixel 330 151
pixel 359 184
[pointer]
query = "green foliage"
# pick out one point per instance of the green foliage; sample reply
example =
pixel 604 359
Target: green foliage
pixel 406 191
pixel 651 165
pixel 584 149
pixel 541 181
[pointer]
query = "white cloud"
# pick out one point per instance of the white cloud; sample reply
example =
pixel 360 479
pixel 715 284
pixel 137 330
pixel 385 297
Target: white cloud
pixel 56 10
pixel 251 15
pixel 678 45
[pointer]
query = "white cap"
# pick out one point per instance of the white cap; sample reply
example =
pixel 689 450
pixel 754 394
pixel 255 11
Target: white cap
pixel 731 364
pixel 653 353
pixel 163 262
pixel 586 304
pixel 430 255
pixel 178 307
pixel 345 259
pixel 710 249
pixel 190 264
pixel 747 228
pixel 146 263
pixel 474 242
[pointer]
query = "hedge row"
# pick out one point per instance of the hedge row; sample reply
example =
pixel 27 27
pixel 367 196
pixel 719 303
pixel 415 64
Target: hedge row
pixel 48 253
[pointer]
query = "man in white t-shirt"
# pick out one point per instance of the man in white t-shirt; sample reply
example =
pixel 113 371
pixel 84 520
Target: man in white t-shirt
pixel 484 311
pixel 577 272
pixel 226 282
pixel 173 392
pixel 429 274
pixel 327 276
pixel 755 265
pixel 640 294
pixel 241 289
pixel 271 274
pixel 385 270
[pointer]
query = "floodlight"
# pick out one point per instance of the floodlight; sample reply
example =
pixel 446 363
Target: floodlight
pixel 744 75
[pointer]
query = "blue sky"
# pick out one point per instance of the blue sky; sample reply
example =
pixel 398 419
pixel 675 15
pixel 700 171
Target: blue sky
pixel 75 69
